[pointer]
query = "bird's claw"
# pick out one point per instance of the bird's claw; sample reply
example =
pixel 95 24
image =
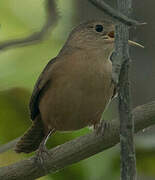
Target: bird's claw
pixel 41 153
pixel 101 127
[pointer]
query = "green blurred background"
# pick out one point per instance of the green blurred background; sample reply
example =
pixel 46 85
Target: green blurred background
pixel 20 67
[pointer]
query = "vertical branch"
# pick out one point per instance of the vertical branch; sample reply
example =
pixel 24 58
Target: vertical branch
pixel 128 160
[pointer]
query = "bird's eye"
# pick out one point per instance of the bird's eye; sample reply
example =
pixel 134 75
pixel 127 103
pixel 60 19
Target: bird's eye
pixel 99 28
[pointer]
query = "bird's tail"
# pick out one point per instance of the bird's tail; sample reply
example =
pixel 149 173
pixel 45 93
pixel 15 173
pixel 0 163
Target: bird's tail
pixel 31 140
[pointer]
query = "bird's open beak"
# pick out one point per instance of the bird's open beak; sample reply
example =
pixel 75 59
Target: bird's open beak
pixel 111 35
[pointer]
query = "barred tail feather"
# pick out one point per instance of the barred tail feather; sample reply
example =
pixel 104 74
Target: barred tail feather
pixel 31 140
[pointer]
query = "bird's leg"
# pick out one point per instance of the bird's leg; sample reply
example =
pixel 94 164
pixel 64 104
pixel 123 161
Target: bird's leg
pixel 42 147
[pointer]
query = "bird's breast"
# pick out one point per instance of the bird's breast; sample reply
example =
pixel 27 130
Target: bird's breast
pixel 78 97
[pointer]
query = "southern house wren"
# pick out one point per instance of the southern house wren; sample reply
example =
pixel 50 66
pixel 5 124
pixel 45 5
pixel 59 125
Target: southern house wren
pixel 74 88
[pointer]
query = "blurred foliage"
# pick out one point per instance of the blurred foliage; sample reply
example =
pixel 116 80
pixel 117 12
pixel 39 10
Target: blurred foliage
pixel 13 113
pixel 20 68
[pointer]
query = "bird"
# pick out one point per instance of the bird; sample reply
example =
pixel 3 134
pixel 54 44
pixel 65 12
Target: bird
pixel 74 88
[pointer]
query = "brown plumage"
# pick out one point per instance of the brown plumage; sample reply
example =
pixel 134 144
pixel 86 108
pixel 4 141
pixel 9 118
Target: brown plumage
pixel 75 87
pixel 31 140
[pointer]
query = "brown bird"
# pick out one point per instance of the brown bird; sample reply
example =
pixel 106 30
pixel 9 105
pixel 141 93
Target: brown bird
pixel 74 88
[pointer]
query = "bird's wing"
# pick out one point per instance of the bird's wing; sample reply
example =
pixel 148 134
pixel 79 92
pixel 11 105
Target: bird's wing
pixel 40 86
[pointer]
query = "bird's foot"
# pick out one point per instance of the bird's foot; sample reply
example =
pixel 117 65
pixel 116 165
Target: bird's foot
pixel 42 151
pixel 101 127
pixel 41 154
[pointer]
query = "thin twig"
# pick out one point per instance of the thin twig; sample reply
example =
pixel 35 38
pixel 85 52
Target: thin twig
pixel 77 149
pixel 114 13
pixel 51 19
